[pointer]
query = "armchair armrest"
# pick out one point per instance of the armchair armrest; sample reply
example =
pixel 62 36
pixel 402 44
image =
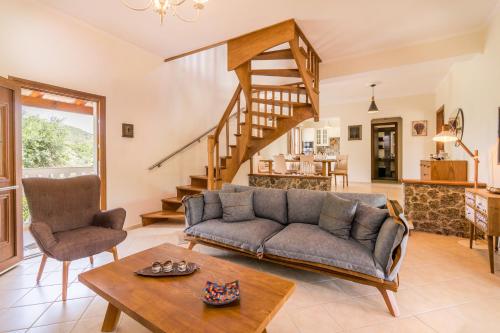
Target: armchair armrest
pixel 390 247
pixel 194 205
pixel 114 219
pixel 42 232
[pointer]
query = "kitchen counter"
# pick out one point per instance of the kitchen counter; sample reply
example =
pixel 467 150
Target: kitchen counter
pixel 287 181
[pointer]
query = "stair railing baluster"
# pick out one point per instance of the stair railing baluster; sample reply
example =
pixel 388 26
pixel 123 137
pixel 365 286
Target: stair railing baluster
pixel 238 115
pixel 273 108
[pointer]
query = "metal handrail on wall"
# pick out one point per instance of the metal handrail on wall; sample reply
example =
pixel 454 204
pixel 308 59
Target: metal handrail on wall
pixel 192 142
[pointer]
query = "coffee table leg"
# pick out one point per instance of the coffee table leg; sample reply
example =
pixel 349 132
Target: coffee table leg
pixel 111 318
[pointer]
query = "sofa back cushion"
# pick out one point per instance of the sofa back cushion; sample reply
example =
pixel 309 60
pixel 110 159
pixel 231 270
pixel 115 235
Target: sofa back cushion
pixel 337 215
pixel 268 203
pixel 237 207
pixel 304 206
pixel 367 223
pixel 378 200
pixel 212 208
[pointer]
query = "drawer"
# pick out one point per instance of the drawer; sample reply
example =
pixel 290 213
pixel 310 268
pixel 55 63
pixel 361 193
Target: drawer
pixel 469 213
pixel 482 204
pixel 481 218
pixel 470 201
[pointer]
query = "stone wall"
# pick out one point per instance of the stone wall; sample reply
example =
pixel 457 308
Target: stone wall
pixel 439 209
pixel 286 182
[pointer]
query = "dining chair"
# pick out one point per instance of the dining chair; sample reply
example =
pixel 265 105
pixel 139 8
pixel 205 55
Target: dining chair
pixel 67 223
pixel 341 170
pixel 306 160
pixel 280 164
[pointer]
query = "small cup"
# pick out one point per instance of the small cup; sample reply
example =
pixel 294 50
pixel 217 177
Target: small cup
pixel 156 267
pixel 168 266
pixel 182 266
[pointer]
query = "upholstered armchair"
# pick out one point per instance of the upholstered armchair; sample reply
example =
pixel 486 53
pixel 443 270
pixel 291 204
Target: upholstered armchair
pixel 67 223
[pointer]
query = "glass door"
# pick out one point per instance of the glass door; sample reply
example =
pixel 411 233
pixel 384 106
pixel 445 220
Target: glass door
pixel 385 150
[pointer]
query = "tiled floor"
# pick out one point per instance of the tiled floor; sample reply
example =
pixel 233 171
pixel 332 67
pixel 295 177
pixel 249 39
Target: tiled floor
pixel 445 287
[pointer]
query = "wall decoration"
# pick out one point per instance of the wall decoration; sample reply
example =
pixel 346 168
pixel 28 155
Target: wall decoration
pixel 419 128
pixel 127 130
pixel 354 132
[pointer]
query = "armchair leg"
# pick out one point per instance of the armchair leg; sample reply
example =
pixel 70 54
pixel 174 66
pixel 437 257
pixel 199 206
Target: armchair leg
pixel 65 280
pixel 91 258
pixel 191 245
pixel 390 301
pixel 40 269
pixel 115 253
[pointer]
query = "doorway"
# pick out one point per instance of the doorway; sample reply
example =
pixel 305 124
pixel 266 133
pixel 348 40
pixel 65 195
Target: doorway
pixel 386 150
pixel 62 135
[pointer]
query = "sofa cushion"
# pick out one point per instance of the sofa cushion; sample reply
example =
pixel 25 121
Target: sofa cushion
pixel 308 242
pixel 213 206
pixel 83 242
pixel 367 223
pixel 246 235
pixel 304 206
pixel 268 203
pixel 237 206
pixel 337 215
pixel 391 234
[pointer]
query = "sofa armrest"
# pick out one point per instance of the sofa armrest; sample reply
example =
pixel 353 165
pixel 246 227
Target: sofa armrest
pixel 193 209
pixel 392 240
pixel 42 232
pixel 114 219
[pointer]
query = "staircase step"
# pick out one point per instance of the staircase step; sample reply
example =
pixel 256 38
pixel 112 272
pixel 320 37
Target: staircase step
pixel 199 180
pixel 162 215
pixel 264 87
pixel 278 102
pixel 183 190
pixel 171 203
pixel 277 72
pixel 275 55
pixel 263 114
pixel 265 127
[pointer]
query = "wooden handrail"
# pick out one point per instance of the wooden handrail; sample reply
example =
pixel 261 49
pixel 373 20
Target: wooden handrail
pixel 306 41
pixel 227 113
pixel 197 139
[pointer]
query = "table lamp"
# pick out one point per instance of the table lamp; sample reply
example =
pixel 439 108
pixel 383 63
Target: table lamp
pixel 447 136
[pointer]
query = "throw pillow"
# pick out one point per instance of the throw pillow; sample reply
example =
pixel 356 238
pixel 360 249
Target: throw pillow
pixel 367 223
pixel 237 206
pixel 336 215
pixel 212 208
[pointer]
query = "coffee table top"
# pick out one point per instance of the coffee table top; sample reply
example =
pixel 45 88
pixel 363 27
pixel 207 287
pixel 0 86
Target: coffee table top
pixel 173 304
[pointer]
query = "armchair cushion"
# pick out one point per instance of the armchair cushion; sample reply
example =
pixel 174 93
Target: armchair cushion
pixel 113 219
pixel 83 242
pixel 367 223
pixel 42 232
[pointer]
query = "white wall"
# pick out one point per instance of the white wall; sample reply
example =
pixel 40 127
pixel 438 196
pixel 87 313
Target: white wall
pixel 169 104
pixel 474 86
pixel 410 108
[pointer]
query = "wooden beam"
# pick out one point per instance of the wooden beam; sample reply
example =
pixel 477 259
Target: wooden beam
pixel 43 103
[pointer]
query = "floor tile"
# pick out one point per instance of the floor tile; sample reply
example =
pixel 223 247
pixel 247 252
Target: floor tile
pixel 11 282
pixel 97 308
pixel 60 312
pixel 78 290
pixel 282 323
pixel 54 278
pixel 21 317
pixel 314 319
pixel 9 297
pixel 404 325
pixel 40 295
pixel 54 328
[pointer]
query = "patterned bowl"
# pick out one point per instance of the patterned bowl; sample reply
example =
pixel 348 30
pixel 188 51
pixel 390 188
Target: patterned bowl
pixel 221 294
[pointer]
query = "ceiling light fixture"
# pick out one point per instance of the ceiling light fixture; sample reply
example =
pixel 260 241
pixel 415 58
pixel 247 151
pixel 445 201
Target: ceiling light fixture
pixel 163 7
pixel 373 107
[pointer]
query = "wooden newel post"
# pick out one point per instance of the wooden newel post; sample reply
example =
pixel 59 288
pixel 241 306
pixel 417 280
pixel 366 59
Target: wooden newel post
pixel 210 174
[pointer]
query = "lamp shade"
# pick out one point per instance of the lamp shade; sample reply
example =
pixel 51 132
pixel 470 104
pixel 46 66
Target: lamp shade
pixel 445 135
pixel 373 107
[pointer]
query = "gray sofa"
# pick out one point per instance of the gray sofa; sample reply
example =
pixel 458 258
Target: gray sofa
pixel 285 230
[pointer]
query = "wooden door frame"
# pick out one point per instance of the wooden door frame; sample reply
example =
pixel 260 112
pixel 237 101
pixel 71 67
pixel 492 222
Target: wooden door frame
pixel 439 113
pixel 387 121
pixel 15 164
pixel 101 122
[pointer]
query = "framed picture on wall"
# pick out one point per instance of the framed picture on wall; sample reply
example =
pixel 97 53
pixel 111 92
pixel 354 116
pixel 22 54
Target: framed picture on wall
pixel 354 132
pixel 419 128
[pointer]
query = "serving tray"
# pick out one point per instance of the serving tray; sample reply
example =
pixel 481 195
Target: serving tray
pixel 191 267
pixel 221 294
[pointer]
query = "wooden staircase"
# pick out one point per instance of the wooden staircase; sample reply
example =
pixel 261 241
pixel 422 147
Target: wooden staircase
pixel 267 103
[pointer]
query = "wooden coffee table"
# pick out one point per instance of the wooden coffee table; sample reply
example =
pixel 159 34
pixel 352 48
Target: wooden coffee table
pixel 174 304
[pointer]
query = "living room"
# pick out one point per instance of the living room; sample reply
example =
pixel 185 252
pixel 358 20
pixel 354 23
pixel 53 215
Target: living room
pixel 349 100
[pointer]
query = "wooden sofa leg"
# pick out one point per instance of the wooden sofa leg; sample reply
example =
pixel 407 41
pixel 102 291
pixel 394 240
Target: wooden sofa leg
pixel 191 245
pixel 40 269
pixel 390 301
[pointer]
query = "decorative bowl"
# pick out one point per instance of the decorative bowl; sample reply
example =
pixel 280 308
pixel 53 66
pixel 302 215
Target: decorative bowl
pixel 221 294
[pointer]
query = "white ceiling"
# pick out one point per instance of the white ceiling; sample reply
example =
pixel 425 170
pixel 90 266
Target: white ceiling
pixel 337 28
